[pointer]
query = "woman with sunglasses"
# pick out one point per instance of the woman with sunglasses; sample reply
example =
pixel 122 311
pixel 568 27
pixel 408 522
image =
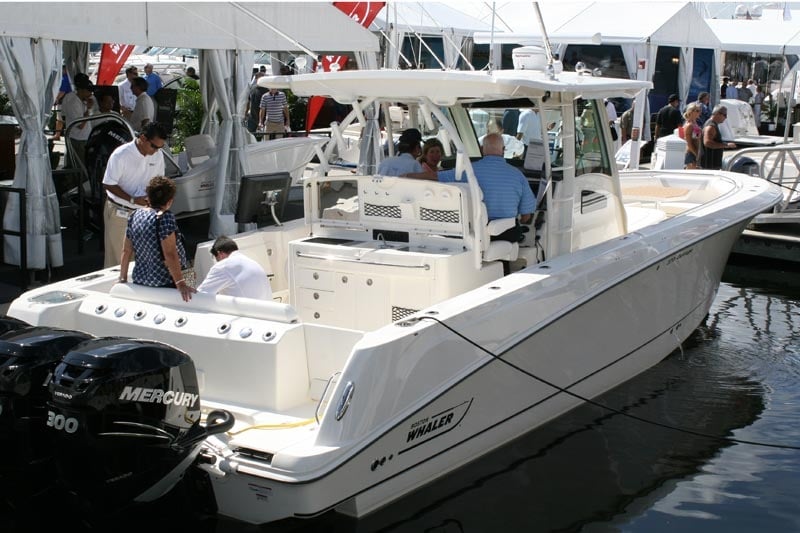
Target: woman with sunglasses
pixel 691 133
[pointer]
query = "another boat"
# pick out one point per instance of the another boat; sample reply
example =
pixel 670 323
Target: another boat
pixel 396 350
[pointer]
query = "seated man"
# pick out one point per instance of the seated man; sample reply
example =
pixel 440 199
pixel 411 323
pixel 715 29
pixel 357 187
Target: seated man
pixel 234 273
pixel 506 192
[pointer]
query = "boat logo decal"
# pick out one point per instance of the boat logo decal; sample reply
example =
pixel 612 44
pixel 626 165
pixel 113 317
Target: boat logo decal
pixel 146 395
pixel 679 255
pixel 262 493
pixel 429 427
pixel 61 422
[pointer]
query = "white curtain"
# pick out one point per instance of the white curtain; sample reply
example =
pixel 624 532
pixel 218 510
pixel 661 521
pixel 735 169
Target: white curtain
pixel 685 68
pixel 228 73
pixel 31 70
pixel 76 57
pixel 633 53
pixel 452 43
pixel 210 123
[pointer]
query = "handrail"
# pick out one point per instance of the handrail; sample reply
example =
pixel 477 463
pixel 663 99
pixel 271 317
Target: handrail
pixel 324 394
pixel 772 166
pixel 22 233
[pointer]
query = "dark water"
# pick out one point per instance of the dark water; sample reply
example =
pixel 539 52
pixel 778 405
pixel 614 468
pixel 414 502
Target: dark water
pixel 738 377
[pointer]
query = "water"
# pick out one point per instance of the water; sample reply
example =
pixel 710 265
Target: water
pixel 593 470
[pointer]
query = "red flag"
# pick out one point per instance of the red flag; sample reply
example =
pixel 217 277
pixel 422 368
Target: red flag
pixel 112 57
pixel 362 12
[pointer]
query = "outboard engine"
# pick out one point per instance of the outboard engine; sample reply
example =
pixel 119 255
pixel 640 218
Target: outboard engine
pixel 126 417
pixel 8 323
pixel 28 357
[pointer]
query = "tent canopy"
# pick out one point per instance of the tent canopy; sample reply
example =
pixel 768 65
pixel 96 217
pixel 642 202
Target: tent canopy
pixel 759 36
pixel 274 26
pixel 426 18
pixel 658 23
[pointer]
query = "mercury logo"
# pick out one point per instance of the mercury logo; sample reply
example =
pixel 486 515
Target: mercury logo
pixel 141 394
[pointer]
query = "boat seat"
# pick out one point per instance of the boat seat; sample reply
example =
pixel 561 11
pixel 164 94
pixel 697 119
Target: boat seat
pixel 199 148
pixel 214 303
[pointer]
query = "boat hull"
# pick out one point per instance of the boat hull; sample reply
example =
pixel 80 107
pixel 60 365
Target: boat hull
pixel 623 328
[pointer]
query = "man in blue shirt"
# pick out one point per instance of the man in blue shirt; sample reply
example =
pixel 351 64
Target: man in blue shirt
pixel 154 82
pixel 506 192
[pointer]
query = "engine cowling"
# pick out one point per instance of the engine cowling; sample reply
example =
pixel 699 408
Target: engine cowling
pixel 126 418
pixel 28 356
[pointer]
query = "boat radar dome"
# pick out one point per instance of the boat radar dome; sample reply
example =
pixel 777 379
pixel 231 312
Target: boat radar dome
pixel 533 58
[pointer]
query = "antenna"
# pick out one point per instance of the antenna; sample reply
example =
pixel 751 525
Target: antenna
pixel 546 42
pixel 491 41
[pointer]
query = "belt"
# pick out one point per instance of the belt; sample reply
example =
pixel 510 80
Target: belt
pixel 119 204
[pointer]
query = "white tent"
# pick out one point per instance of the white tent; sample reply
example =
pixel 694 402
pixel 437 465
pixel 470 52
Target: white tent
pixel 758 36
pixel 31 36
pixel 638 28
pixel 424 19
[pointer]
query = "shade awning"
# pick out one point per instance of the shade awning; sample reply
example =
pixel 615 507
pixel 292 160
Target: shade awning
pixel 273 26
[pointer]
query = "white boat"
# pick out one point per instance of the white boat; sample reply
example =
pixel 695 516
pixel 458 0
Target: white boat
pixel 396 350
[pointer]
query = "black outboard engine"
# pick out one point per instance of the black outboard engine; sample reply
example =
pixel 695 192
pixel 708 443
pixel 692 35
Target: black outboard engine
pixel 28 357
pixel 126 416
pixel 8 323
pixel 103 140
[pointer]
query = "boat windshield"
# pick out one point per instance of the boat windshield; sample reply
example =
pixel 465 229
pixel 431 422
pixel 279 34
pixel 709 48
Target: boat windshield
pixel 523 129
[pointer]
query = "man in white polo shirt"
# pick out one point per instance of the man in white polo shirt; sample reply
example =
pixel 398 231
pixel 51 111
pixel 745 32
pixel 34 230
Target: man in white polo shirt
pixel 130 168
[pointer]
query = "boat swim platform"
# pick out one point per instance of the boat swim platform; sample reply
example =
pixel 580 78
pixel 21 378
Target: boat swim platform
pixel 771 245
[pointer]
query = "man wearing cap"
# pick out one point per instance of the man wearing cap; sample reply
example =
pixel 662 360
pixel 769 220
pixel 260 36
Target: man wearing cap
pixel 712 145
pixel 79 104
pixel 669 117
pixel 405 163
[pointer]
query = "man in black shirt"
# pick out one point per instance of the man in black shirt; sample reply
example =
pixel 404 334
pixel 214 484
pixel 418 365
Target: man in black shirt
pixel 669 117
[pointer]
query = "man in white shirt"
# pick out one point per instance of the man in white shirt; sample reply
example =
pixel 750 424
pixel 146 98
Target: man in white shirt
pixel 529 127
pixel 129 170
pixel 127 101
pixel 235 274
pixel 144 109
pixel 79 104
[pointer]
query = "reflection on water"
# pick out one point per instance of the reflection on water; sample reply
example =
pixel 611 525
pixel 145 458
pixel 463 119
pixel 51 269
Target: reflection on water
pixel 597 471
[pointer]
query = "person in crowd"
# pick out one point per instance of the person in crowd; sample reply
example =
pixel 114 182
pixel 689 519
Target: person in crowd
pixel 732 93
pixel 703 100
pixel 712 145
pixel 254 99
pixel 751 86
pixel 510 121
pixel 743 93
pixel 63 90
pixel 758 101
pixel 723 88
pixel 626 125
pixel 127 100
pixel 143 110
pixel 128 171
pixel 234 273
pixel 105 105
pixel 611 112
pixel 529 127
pixel 405 163
pixel 192 73
pixel 153 238
pixel 432 151
pixel 274 114
pixel 154 82
pixel 691 133
pixel 79 104
pixel 668 117
pixel 506 192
